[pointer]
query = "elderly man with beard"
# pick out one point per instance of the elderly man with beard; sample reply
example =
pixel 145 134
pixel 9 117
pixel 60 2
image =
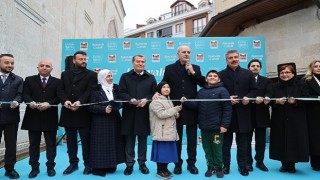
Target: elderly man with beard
pixel 241 86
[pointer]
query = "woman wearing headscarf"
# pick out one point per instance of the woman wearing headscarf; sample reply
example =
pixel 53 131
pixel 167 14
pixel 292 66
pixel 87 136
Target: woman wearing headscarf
pixel 312 78
pixel 289 131
pixel 106 143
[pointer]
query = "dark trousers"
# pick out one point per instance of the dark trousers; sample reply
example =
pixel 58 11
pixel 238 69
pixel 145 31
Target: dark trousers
pixel 34 148
pixel 242 148
pixel 260 146
pixel 191 143
pixel 142 149
pixel 72 144
pixel 315 161
pixel 10 132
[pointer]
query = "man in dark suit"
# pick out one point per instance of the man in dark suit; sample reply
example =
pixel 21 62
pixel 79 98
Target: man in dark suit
pixel 136 86
pixel 11 87
pixel 40 91
pixel 241 86
pixel 183 78
pixel 260 115
pixel 76 86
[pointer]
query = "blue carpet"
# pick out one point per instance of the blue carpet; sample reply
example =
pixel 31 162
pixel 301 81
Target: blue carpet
pixel 303 169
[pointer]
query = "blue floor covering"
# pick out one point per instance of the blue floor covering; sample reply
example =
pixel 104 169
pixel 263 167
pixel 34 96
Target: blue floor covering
pixel 303 169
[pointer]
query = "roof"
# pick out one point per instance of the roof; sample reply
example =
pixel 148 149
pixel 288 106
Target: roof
pixel 172 5
pixel 234 20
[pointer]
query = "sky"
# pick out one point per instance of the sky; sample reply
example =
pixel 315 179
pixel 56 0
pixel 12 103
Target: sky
pixel 139 11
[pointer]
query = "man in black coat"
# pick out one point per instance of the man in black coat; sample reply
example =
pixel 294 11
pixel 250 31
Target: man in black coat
pixel 11 87
pixel 40 91
pixel 183 78
pixel 136 86
pixel 76 86
pixel 260 115
pixel 241 86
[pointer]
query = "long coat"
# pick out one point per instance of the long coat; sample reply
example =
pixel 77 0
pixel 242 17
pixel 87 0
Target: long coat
pixel 182 84
pixel 289 131
pixel 76 88
pixel 313 109
pixel 135 120
pixel 106 143
pixel 261 112
pixel 11 90
pixel 243 84
pixel 34 119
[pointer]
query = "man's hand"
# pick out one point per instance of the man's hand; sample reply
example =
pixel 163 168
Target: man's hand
pixel 281 100
pixel 266 100
pixel 33 105
pixel 75 106
pixel 259 100
pixel 234 99
pixel 142 102
pixel 245 100
pixel 108 109
pixel 156 96
pixel 67 104
pixel 14 105
pixel 43 106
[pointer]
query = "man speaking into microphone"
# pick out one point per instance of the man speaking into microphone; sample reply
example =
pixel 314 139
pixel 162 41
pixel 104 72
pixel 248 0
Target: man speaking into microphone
pixel 183 78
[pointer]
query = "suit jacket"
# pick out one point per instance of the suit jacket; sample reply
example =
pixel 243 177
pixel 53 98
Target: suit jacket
pixel 242 84
pixel 261 112
pixel 76 88
pixel 11 90
pixel 34 119
pixel 182 84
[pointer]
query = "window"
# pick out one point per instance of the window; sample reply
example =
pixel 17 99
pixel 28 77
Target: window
pixel 199 24
pixel 150 35
pixel 179 9
pixel 165 32
pixel 179 28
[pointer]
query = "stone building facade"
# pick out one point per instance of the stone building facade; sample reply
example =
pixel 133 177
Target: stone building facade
pixel 32 30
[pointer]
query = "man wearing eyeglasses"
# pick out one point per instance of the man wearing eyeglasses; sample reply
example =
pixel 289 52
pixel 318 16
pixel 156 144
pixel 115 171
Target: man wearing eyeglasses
pixel 241 86
pixel 183 78
pixel 260 115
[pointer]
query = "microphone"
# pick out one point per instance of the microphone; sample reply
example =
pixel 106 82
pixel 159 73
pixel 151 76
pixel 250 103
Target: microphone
pixel 188 63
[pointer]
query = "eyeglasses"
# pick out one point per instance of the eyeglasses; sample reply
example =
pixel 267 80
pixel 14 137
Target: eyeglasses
pixel 286 72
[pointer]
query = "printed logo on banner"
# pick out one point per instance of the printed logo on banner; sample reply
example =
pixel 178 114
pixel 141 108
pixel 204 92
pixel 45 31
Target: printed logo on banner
pixel 84 46
pixel 170 44
pixel 112 58
pixel 126 45
pixel 199 58
pixel 155 57
pixel 243 57
pixel 214 44
pixel 256 44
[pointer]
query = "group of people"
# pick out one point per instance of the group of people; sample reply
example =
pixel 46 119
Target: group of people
pixel 235 100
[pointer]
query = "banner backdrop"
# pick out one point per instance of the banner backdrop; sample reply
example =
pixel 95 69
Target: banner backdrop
pixel 116 54
pixel 209 52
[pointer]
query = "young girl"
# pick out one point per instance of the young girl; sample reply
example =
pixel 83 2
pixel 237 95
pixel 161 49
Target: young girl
pixel 163 130
pixel 214 118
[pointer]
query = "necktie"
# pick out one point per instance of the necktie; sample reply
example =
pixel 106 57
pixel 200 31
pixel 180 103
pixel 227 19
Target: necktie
pixel 43 84
pixel 3 78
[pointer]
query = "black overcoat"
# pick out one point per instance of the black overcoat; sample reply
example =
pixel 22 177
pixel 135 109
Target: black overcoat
pixel 76 89
pixel 313 109
pixel 106 142
pixel 182 84
pixel 242 85
pixel 289 131
pixel 261 112
pixel 135 120
pixel 10 91
pixel 46 120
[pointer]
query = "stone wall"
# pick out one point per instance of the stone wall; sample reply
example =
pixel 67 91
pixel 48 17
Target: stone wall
pixel 294 37
pixel 33 29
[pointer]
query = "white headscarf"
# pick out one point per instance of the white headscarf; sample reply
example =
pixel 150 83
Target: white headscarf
pixel 107 88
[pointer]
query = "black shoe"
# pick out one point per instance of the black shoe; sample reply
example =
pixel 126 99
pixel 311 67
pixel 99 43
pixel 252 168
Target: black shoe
pixel 99 172
pixel 70 169
pixel 163 175
pixel 168 173
pixel 12 174
pixel 192 168
pixel 177 169
pixel 250 168
pixel 143 168
pixel 51 172
pixel 209 172
pixel 283 168
pixel 87 170
pixel 316 168
pixel 220 173
pixel 128 170
pixel 111 170
pixel 226 169
pixel 292 169
pixel 261 166
pixel 34 173
pixel 244 171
